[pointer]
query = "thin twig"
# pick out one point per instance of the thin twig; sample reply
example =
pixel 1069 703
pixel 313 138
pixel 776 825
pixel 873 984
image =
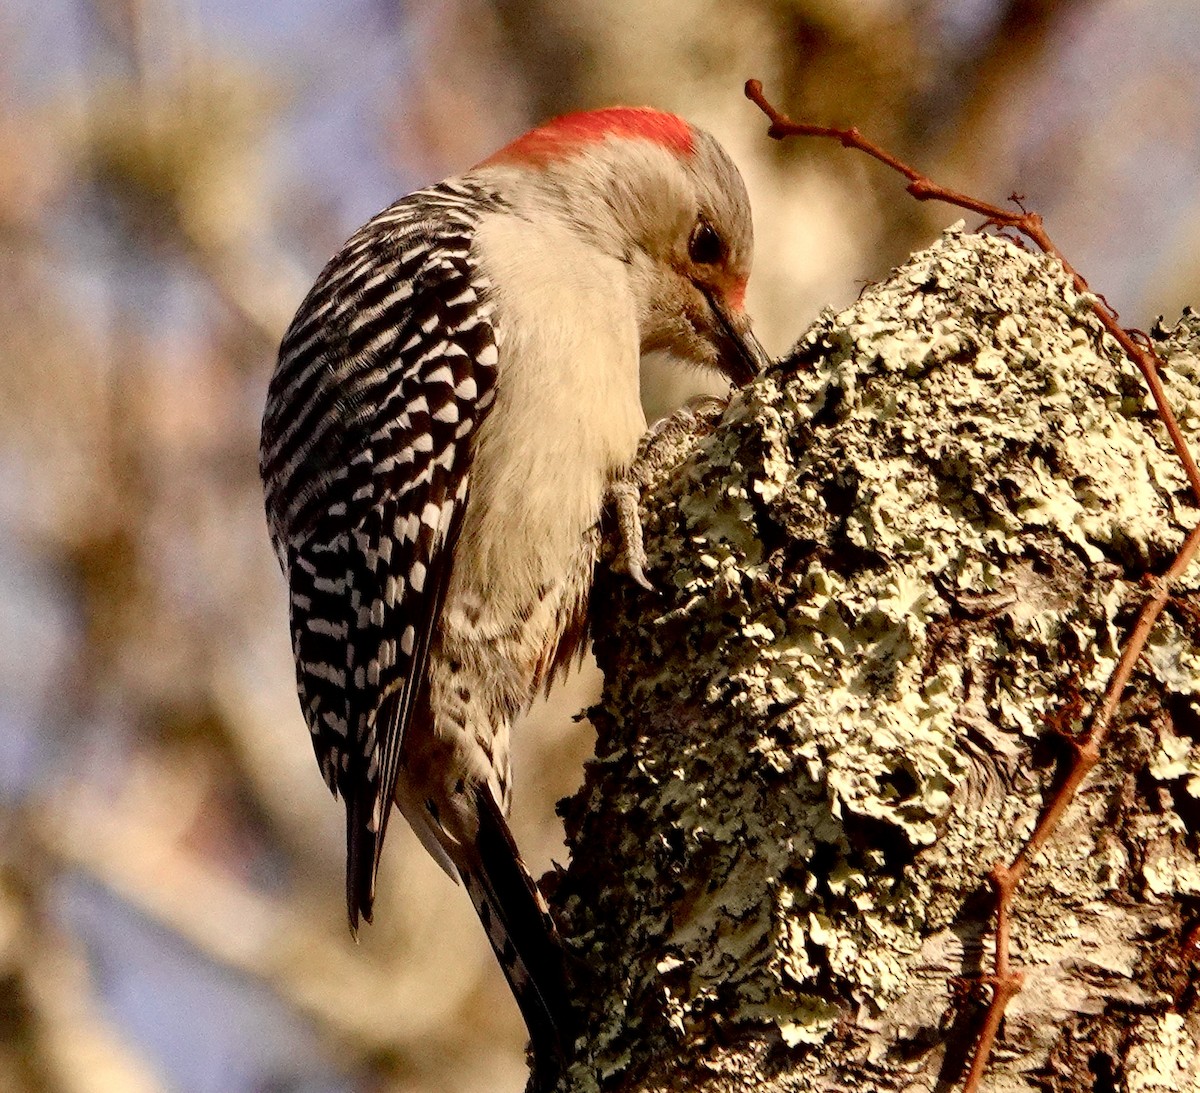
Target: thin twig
pixel 1028 223
pixel 1006 981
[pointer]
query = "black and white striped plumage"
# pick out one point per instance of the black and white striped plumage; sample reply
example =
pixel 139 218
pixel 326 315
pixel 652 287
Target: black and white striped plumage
pixel 454 402
pixel 384 375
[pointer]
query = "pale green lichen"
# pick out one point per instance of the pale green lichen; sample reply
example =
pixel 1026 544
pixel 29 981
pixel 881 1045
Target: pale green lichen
pixel 894 559
pixel 1166 1058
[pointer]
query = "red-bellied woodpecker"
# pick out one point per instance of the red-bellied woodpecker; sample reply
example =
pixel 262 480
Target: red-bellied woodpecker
pixel 455 402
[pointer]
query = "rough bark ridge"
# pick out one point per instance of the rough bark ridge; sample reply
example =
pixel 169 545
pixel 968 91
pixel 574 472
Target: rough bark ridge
pixel 878 577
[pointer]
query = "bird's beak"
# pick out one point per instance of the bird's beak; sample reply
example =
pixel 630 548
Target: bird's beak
pixel 742 357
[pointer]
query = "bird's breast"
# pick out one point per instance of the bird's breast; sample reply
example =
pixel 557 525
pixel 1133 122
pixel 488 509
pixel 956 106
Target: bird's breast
pixel 566 419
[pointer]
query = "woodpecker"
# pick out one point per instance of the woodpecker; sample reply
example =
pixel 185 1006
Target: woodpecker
pixel 454 405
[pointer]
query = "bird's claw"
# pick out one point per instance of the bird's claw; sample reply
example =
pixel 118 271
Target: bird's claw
pixel 635 570
pixel 632 556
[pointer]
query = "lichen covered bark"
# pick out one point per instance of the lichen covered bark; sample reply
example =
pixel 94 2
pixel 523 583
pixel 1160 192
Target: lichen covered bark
pixel 884 579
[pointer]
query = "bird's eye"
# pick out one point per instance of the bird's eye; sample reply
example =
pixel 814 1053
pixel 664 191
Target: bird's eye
pixel 705 247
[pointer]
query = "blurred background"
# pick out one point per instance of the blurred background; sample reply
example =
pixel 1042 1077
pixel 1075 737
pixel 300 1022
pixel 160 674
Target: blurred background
pixel 173 174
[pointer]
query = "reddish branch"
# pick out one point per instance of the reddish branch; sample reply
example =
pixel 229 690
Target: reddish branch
pixel 1085 748
pixel 1029 224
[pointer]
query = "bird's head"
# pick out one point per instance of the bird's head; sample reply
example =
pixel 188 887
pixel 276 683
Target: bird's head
pixel 663 197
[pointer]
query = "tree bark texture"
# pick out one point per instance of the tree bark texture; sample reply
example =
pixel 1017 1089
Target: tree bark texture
pixel 885 577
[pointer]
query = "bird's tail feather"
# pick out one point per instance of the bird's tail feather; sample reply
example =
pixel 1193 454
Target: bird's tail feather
pixel 522 934
pixel 361 864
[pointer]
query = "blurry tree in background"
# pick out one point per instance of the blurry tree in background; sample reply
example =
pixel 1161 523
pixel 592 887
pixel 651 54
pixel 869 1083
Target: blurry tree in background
pixel 174 174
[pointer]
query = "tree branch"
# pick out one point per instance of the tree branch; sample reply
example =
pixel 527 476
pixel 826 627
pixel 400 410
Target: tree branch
pixel 876 576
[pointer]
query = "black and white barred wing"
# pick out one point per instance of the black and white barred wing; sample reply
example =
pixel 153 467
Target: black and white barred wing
pixel 386 373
